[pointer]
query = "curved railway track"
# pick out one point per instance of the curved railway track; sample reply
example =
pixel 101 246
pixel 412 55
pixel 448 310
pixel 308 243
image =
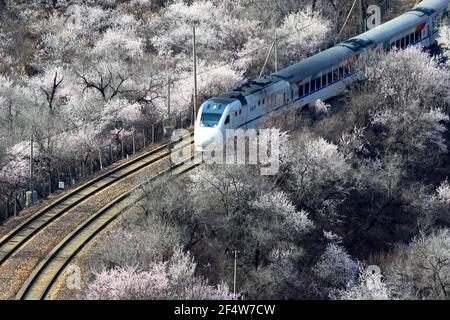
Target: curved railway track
pixel 24 232
pixel 43 278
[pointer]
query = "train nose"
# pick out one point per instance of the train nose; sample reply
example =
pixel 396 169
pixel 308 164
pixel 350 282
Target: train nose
pixel 204 137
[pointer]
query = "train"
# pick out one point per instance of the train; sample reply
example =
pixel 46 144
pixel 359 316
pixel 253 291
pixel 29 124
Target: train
pixel 321 76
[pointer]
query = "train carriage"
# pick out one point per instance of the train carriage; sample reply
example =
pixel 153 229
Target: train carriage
pixel 321 76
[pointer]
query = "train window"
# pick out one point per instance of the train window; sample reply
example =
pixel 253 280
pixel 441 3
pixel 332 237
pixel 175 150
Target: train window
pixel 407 41
pixel 392 45
pixel 210 120
pixel 402 43
pixel 397 44
pixel 411 38
pixel 259 102
pixel 347 70
pixel 292 94
pixel 324 80
pixel 418 35
pixel 306 88
pixel 335 75
pixel 300 91
pixel 318 85
pixel 264 101
pixel 313 85
pixel 227 120
pixel 330 77
pixel 341 72
pixel 235 113
pixel 240 111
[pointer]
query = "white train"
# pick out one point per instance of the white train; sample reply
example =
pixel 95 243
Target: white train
pixel 321 76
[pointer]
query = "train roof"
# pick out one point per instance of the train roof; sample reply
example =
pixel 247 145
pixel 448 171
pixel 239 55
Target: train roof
pixel 393 27
pixel 411 18
pixel 342 51
pixel 248 88
pixel 314 64
pixel 346 49
pixel 431 6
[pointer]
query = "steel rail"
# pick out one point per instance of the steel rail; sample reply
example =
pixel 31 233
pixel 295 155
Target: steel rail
pixel 20 235
pixel 44 277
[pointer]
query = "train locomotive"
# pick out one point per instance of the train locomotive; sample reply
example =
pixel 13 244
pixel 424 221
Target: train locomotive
pixel 320 76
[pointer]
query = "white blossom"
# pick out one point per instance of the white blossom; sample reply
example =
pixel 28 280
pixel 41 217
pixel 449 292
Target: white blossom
pixel 336 267
pixel 444 39
pixel 370 286
pixel 280 204
pixel 443 192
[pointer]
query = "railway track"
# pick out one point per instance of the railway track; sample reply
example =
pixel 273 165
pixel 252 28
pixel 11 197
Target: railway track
pixel 43 278
pixel 23 233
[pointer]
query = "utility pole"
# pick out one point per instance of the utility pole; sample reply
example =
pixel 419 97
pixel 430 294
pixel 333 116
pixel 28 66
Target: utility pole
pixel 100 160
pixel 361 17
pixel 267 59
pixel 276 45
pixel 338 17
pixel 32 168
pixel 346 20
pixel 235 271
pixel 276 50
pixel 194 60
pixel 168 99
pixel 143 138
